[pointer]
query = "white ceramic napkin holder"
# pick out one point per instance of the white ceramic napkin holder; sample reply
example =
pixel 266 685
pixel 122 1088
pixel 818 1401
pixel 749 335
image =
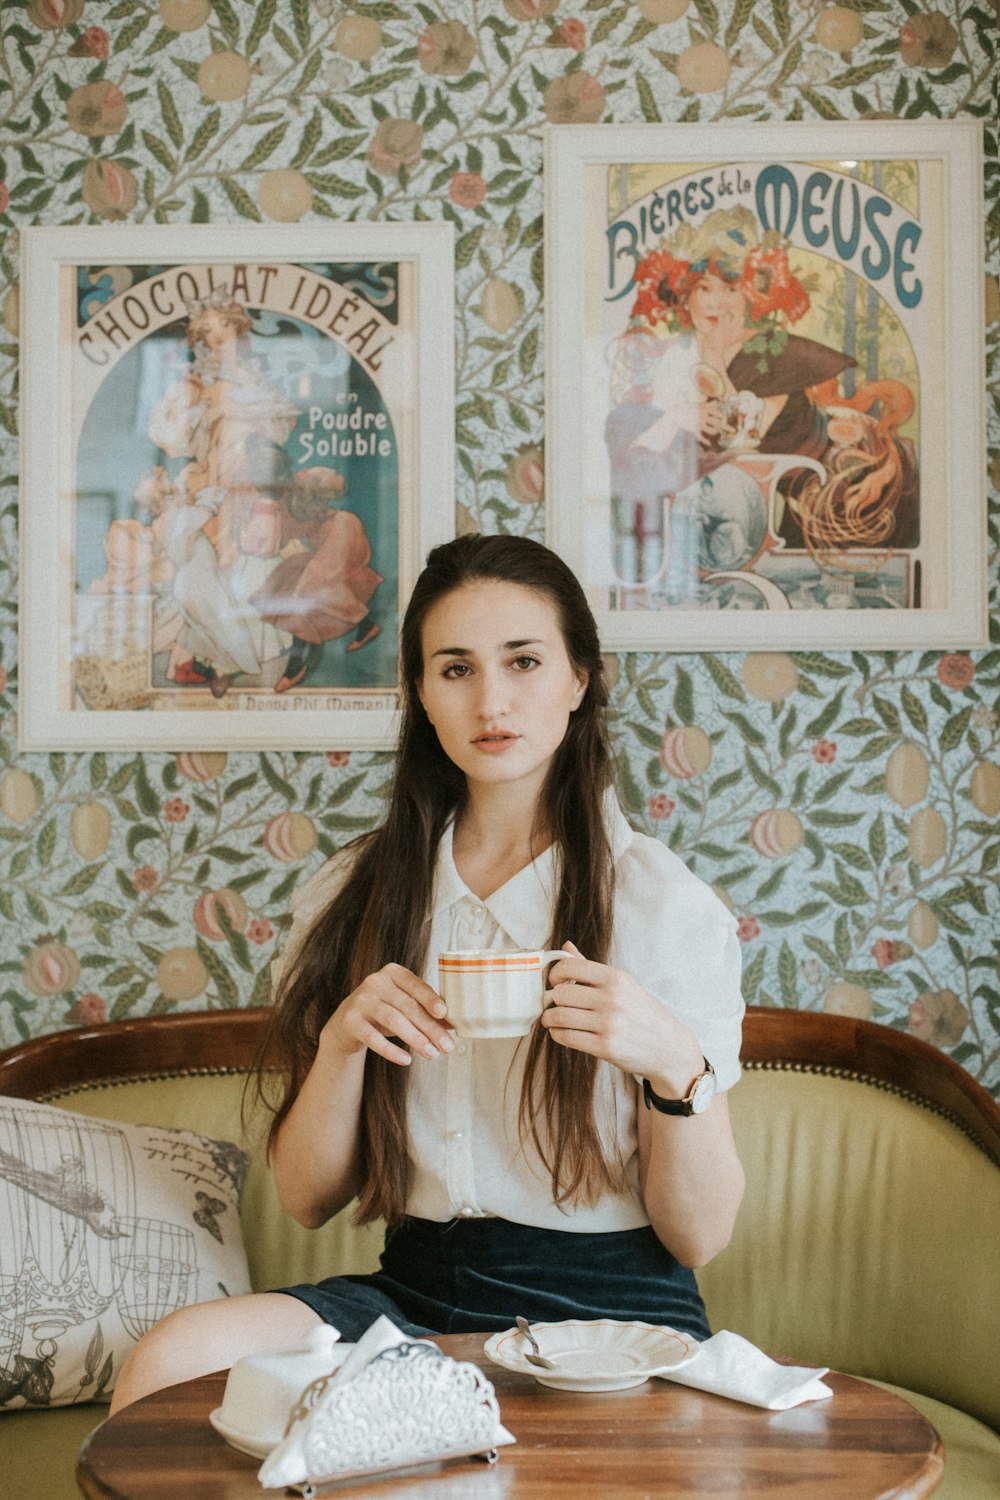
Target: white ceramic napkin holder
pixel 395 1403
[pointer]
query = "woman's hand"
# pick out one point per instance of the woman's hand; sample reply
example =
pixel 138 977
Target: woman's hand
pixel 594 1008
pixel 390 1011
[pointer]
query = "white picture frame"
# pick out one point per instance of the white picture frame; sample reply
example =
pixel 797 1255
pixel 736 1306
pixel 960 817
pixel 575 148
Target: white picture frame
pixel 690 538
pixel 205 492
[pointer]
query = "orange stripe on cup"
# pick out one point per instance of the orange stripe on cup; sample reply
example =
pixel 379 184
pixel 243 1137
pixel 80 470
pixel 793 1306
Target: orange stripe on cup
pixel 503 962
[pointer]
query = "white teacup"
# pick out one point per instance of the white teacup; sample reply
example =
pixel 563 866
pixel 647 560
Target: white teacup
pixel 494 994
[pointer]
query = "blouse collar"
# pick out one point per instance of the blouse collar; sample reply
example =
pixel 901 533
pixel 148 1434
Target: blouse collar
pixel 523 906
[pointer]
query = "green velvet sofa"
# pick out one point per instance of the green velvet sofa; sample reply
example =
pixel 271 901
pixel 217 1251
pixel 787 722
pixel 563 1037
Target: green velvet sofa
pixel 869 1239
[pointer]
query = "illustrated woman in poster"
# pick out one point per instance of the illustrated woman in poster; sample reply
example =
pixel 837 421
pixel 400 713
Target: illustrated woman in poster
pixel 712 376
pixel 295 567
pixel 222 403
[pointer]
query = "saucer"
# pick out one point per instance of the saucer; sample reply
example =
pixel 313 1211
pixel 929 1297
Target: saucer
pixel 598 1355
pixel 244 1441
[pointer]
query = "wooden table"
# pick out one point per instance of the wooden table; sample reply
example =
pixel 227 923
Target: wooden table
pixel 658 1439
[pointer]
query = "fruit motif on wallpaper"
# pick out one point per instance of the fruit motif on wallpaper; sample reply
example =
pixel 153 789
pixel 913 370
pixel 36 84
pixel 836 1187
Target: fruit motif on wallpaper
pixel 770 676
pixel 51 968
pixel 922 926
pixel 215 907
pixel 109 189
pixel 53 15
pixel 290 836
pixel 201 765
pixel 844 999
pixel 776 832
pixel 181 974
pixel 185 15
pixel 19 796
pixel 928 836
pixel 501 305
pixel 97 109
pixel 90 829
pixel 984 788
pixel 864 906
pixel 907 774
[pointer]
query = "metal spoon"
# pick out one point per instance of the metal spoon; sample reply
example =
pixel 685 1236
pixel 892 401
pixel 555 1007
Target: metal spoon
pixel 537 1358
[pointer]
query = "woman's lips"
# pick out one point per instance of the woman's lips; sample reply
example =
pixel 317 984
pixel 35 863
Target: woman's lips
pixel 491 743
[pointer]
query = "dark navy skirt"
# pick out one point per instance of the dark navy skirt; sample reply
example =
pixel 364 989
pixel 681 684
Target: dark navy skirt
pixel 475 1275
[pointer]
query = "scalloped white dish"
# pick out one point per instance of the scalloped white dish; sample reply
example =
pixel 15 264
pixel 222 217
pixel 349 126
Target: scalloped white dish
pixel 594 1355
pixel 243 1441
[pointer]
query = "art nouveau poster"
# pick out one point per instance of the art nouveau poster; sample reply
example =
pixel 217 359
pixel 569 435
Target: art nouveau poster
pixel 227 489
pixel 765 363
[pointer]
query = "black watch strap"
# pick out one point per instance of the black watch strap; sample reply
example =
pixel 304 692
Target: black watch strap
pixel 653 1100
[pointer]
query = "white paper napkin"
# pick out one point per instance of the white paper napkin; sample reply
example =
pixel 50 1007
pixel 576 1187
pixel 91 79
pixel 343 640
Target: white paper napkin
pixel 383 1334
pixel 728 1365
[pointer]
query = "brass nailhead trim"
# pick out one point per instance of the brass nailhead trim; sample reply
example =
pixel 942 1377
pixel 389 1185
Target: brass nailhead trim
pixel 91 1084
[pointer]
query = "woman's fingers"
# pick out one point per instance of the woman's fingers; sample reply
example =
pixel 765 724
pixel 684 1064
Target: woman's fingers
pixel 570 1018
pixel 579 1041
pixel 587 1031
pixel 418 989
pixel 574 968
pixel 386 1047
pixel 392 1011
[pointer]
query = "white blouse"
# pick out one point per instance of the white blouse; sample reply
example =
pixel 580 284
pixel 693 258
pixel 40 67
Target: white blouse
pixel 671 933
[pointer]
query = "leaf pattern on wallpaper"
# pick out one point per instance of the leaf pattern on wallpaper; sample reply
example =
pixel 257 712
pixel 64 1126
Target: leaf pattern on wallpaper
pixel 844 805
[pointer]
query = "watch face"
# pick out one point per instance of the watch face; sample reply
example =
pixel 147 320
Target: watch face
pixel 703 1093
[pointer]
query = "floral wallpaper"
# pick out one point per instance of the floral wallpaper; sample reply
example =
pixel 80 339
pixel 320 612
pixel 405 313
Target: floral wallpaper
pixel 844 805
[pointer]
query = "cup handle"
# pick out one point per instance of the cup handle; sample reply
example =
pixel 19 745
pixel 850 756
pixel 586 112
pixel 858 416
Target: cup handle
pixel 550 955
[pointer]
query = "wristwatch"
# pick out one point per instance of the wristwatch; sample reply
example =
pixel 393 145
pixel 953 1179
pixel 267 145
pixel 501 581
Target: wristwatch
pixel 698 1098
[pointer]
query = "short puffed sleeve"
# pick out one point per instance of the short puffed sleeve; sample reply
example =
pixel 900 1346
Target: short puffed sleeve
pixel 674 935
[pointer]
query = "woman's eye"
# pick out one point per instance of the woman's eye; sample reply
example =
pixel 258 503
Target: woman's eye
pixel 456 669
pixel 524 663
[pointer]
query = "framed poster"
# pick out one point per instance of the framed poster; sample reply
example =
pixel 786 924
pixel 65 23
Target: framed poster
pixel 236 454
pixel 765 382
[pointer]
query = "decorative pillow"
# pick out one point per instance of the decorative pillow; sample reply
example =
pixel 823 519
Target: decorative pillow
pixel 104 1228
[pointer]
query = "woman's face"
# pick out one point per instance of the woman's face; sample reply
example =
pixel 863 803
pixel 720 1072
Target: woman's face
pixel 718 309
pixel 216 331
pixel 498 684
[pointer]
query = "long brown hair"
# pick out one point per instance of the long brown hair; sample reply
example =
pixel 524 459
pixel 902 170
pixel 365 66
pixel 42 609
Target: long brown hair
pixel 380 913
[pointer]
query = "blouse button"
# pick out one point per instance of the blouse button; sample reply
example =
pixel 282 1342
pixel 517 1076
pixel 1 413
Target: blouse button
pixel 461 1049
pixel 456 1135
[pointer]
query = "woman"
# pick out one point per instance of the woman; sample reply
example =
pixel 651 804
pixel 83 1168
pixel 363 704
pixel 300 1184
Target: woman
pixel 223 414
pixel 515 1176
pixel 730 379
